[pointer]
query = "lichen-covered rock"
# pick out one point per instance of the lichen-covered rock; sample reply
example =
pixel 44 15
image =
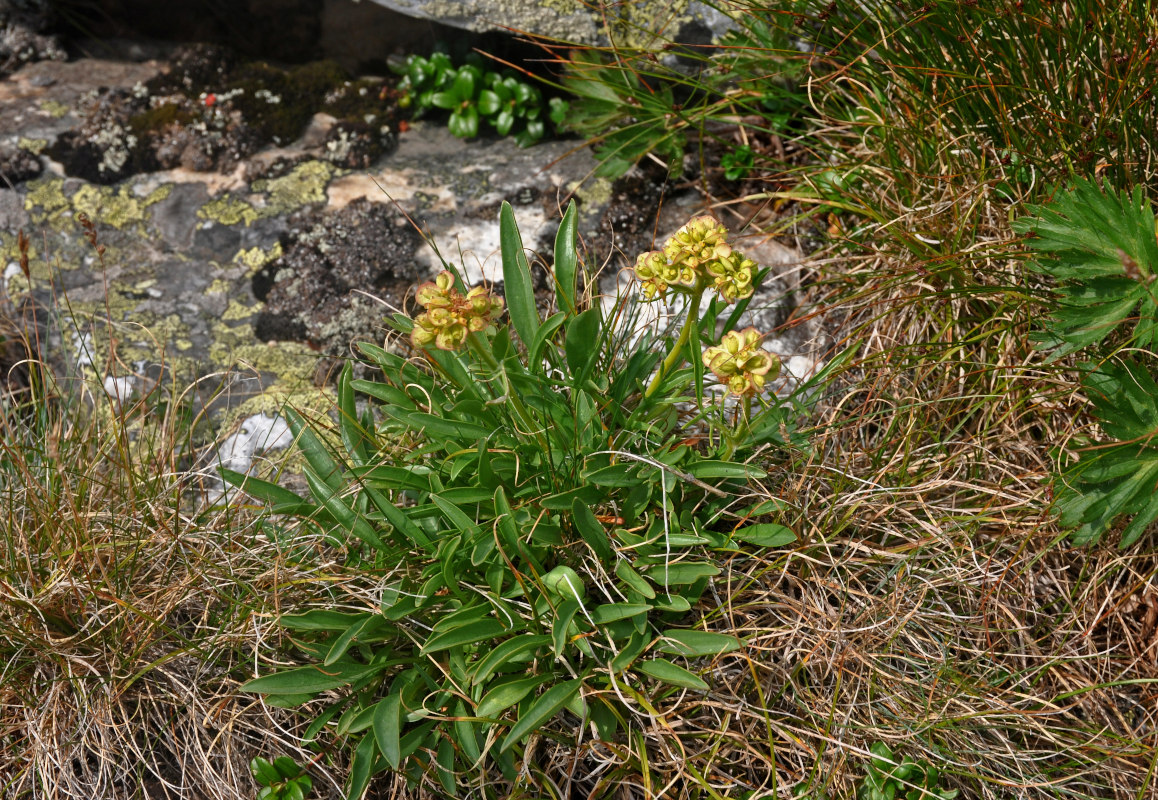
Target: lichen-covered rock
pixel 636 23
pixel 22 40
pixel 326 287
pixel 18 164
pixel 210 111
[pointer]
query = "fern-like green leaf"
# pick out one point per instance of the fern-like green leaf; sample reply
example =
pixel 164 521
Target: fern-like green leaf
pixel 1120 477
pixel 1100 246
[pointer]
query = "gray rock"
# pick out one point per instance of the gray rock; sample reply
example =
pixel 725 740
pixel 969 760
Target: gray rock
pixel 638 23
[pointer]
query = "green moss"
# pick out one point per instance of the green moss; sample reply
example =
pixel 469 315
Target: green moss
pixel 159 118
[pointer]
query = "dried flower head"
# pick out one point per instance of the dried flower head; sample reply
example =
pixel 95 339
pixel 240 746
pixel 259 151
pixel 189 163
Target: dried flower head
pixel 449 315
pixel 740 363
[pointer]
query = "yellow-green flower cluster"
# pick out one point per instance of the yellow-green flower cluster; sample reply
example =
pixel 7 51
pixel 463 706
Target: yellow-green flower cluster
pixel 698 254
pixel 732 276
pixel 450 315
pixel 740 363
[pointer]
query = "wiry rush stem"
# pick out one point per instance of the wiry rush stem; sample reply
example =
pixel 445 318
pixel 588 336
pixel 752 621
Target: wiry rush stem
pixel 676 354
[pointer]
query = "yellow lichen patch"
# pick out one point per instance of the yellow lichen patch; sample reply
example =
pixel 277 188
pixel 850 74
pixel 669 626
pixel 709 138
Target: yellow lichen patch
pixel 229 210
pixel 118 208
pixel 238 310
pixel 219 286
pixel 34 146
pixel 255 258
pixel 45 199
pixel 54 109
pixel 305 184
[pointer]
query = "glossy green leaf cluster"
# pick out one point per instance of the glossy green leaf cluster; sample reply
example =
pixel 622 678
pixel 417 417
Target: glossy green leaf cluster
pixel 280 779
pixel 544 532
pixel 890 778
pixel 474 95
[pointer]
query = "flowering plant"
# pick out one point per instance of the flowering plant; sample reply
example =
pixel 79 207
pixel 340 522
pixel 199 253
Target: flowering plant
pixel 548 527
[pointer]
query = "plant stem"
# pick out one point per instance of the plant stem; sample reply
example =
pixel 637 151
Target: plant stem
pixel 673 358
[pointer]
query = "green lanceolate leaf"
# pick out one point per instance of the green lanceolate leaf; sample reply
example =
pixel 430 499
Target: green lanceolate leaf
pixel 507 694
pixel 664 670
pixel 317 456
pixel 507 652
pixel 342 511
pixel 388 729
pixel 362 767
pixel 682 573
pixel 310 680
pixel 725 469
pixel 634 580
pixel 567 261
pixel 354 438
pixel 611 612
pixel 591 530
pixel 550 703
pixel 267 492
pixel 517 289
pixel 467 634
pixel 321 619
pixel 765 534
pixel 692 643
pixel 581 344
